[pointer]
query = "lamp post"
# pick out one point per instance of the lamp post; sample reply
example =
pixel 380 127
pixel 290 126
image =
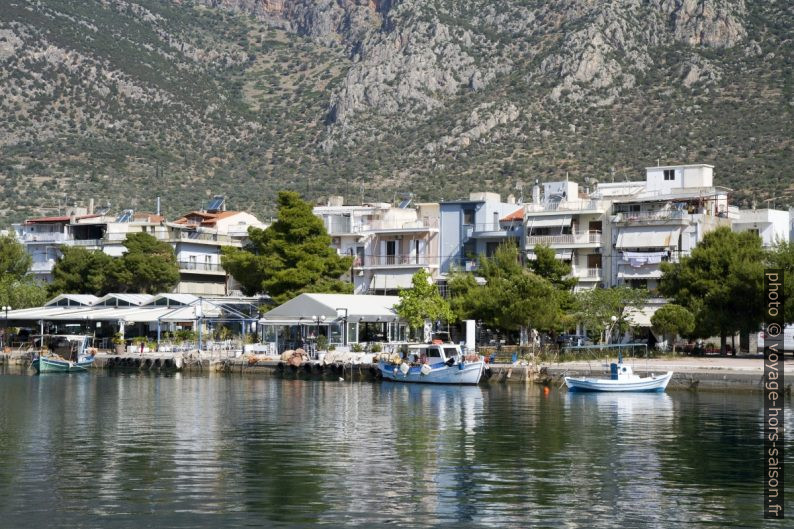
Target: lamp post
pixel 344 329
pixel 614 320
pixel 5 310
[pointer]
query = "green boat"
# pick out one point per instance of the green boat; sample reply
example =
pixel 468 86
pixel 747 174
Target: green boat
pixel 70 354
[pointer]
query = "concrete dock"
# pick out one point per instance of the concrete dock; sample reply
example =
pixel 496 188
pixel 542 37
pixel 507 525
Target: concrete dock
pixel 691 373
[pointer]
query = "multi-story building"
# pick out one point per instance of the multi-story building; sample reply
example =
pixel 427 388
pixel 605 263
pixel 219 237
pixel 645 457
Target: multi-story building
pixel 197 239
pixel 571 223
pixel 658 220
pixel 388 244
pixel 474 227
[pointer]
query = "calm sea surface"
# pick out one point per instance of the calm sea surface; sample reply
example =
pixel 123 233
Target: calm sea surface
pixel 101 450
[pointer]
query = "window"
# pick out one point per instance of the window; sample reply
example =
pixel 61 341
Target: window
pixel 468 216
pixel 669 174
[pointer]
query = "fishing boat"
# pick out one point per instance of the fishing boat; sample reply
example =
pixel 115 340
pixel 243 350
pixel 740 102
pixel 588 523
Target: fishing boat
pixel 622 379
pixel 434 363
pixel 68 353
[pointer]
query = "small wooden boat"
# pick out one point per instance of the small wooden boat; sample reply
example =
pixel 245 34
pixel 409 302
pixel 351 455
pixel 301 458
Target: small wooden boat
pixel 622 379
pixel 63 354
pixel 437 363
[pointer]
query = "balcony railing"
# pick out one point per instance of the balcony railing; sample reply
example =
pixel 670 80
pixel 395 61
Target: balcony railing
pixel 86 242
pixel 44 237
pixel 512 229
pixel 586 273
pixel 593 237
pixel 200 267
pixel 576 205
pixel 395 260
pixel 651 216
pixel 346 226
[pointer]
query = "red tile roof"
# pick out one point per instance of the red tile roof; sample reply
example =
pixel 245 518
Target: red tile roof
pixel 64 218
pixel 209 219
pixel 516 215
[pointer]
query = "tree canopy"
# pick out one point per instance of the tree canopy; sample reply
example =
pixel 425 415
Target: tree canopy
pixel 512 296
pixel 292 256
pixel 422 302
pixel 598 306
pixel 147 267
pixel 81 271
pixel 721 283
pixel 14 260
pixel 671 320
pixel 18 289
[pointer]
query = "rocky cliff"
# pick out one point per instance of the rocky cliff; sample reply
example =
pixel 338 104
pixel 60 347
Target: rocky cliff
pixel 366 97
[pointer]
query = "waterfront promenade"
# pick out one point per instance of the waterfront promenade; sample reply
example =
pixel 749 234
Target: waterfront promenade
pixel 693 373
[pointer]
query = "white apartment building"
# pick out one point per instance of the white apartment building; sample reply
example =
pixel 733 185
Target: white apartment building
pixel 621 232
pixel 571 222
pixel 197 239
pixel 388 244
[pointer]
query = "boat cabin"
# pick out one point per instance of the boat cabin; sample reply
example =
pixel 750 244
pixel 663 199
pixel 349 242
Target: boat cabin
pixel 621 371
pixel 433 354
pixel 69 346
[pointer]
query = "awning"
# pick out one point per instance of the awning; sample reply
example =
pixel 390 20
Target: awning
pixel 334 307
pixel 648 237
pixel 641 317
pixel 393 281
pixel 562 255
pixel 642 272
pixel 549 221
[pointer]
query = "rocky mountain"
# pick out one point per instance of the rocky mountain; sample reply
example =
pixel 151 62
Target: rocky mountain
pixel 369 98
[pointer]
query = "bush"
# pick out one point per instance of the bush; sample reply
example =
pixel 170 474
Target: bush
pixel 357 348
pixel 322 343
pixel 376 347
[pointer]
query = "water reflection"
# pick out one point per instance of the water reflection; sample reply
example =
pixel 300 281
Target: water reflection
pixel 133 449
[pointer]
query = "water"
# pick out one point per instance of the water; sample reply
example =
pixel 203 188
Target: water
pixel 100 450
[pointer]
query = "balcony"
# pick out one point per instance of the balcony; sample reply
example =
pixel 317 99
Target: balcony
pixel 42 267
pixel 400 260
pixel 47 237
pixel 569 240
pixel 586 274
pixel 652 216
pixel 494 229
pixel 201 268
pixel 198 237
pixel 566 206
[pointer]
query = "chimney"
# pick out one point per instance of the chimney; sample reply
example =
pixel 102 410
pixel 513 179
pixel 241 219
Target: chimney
pixel 90 206
pixel 511 199
pixel 536 193
pixel 157 209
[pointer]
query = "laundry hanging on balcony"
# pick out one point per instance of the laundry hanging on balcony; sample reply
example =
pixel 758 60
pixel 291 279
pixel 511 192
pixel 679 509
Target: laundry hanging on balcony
pixel 638 259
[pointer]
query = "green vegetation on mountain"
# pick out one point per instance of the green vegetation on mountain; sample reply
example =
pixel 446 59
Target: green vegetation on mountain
pixel 369 99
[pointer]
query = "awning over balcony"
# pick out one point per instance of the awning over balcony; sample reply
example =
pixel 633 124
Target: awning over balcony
pixel 391 281
pixel 563 255
pixel 647 237
pixel 552 221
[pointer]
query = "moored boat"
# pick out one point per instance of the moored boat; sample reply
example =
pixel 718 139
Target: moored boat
pixel 622 379
pixel 437 363
pixel 64 354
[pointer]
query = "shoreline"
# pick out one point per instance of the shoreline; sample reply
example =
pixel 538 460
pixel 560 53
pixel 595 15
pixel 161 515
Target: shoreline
pixel 690 373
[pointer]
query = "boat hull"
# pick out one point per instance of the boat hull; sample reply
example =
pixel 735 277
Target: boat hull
pixel 49 365
pixel 650 384
pixel 467 373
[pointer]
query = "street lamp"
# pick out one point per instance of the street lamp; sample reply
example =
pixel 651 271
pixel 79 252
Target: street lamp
pixel 5 309
pixel 344 329
pixel 614 320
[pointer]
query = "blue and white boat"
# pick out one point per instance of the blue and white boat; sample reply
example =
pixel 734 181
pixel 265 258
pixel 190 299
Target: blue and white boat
pixel 67 354
pixel 622 379
pixel 437 363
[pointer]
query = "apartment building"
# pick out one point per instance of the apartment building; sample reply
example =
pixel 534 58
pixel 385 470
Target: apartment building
pixel 772 225
pixel 388 243
pixel 197 239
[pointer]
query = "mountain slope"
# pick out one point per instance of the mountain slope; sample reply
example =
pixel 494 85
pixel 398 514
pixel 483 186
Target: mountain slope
pixel 369 98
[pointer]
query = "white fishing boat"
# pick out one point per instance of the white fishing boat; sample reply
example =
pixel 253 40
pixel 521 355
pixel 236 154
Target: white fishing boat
pixel 436 363
pixel 622 379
